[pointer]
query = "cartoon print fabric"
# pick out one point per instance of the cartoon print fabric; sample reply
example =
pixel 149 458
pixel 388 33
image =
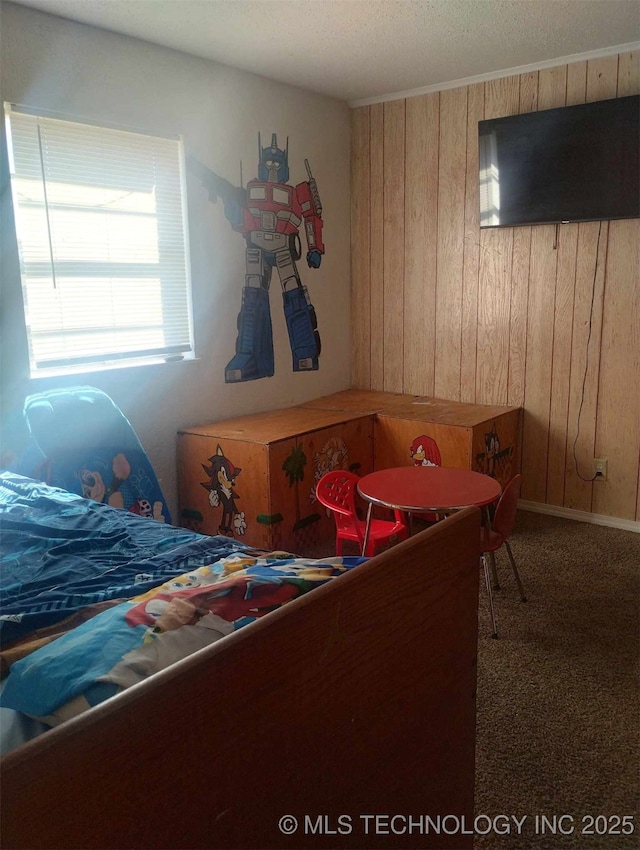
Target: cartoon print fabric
pixel 128 642
pixel 89 447
pixel 61 553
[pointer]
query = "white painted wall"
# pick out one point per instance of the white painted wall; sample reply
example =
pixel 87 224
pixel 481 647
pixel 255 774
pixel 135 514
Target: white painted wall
pixel 94 74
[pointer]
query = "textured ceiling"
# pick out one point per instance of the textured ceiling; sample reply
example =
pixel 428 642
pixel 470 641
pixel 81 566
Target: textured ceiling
pixel 360 49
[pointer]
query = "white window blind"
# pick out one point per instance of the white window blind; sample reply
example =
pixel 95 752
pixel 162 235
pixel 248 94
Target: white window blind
pixel 100 220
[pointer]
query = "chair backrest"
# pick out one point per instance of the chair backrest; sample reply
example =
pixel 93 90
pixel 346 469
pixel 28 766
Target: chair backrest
pixel 336 490
pixel 90 448
pixel 505 515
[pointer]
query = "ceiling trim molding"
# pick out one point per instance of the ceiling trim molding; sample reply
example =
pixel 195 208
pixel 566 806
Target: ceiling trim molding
pixel 497 75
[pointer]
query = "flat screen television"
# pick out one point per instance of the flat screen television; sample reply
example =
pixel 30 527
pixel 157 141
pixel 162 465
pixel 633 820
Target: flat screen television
pixel 575 163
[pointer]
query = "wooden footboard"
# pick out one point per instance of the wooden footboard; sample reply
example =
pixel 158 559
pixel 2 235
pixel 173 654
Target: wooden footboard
pixel 352 710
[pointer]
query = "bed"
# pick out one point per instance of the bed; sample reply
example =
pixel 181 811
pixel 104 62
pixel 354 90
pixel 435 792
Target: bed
pixel 339 717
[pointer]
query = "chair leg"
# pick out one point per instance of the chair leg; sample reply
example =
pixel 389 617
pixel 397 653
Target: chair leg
pixel 338 546
pixel 490 595
pixel 370 551
pixel 486 520
pixel 515 571
pixel 494 570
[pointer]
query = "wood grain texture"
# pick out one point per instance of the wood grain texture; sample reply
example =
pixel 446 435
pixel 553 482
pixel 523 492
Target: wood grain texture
pixel 602 78
pixel 360 249
pixel 537 399
pixel 394 229
pixel 278 718
pixel 376 268
pixel 520 262
pixel 561 363
pixel 501 295
pixel 451 196
pixel 552 87
pixel 618 411
pixel 421 228
pixel 629 73
pixel 585 356
pixel 576 83
pixel 471 259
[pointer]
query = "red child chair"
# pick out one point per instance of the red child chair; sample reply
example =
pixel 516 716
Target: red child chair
pixel 336 490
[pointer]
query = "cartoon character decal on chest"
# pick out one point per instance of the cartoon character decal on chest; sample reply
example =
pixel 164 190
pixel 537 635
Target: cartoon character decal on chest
pixel 221 486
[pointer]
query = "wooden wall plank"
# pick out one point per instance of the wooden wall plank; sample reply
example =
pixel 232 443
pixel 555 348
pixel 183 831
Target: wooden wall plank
pixel 537 399
pixel 376 269
pixel 360 249
pixel 602 78
pixel 471 256
pixel 629 73
pixel 520 261
pixel 502 97
pixel 494 307
pixel 561 363
pixel 528 96
pixel 421 229
pixel 451 195
pixel 576 83
pixel 552 87
pixel 618 413
pixel 585 349
pixel 393 260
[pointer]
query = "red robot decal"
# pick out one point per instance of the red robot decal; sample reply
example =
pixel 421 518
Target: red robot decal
pixel 268 214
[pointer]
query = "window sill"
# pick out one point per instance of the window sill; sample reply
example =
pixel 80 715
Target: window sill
pixel 112 366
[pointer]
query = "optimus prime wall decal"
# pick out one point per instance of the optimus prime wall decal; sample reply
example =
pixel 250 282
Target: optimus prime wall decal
pixel 268 213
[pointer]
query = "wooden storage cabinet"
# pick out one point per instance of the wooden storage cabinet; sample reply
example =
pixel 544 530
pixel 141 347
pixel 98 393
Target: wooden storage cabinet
pixel 264 468
pixel 480 437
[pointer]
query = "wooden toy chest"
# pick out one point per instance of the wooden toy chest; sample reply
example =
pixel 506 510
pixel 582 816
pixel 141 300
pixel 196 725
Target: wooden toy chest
pixel 449 433
pixel 253 477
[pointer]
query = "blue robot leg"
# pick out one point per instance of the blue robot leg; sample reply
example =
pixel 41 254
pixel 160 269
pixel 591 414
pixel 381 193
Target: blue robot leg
pixel 302 326
pixel 254 346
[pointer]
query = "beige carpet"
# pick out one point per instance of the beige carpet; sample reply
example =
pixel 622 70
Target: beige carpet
pixel 558 692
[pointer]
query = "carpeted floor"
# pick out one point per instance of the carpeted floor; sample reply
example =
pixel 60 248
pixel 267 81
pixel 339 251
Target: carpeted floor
pixel 558 713
pixel 558 692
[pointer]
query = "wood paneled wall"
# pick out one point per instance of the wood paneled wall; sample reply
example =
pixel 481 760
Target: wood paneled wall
pixel 545 317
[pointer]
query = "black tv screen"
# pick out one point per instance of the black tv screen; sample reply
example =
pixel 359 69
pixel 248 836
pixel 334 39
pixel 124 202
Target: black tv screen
pixel 575 163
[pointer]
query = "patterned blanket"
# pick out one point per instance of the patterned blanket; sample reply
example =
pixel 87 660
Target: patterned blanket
pixel 130 595
pixel 132 640
pixel 60 553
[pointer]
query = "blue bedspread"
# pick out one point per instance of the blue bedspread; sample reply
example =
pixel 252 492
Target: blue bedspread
pixel 169 592
pixel 60 553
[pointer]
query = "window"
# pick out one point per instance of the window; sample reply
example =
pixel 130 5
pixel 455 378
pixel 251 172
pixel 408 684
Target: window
pixel 101 226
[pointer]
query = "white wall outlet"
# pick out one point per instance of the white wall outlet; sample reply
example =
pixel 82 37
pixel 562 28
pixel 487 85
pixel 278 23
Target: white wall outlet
pixel 600 468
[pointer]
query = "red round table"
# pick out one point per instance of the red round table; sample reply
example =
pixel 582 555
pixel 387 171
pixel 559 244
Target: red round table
pixel 427 489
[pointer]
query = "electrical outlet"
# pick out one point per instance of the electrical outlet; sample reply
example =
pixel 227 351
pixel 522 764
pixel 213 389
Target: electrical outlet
pixel 600 468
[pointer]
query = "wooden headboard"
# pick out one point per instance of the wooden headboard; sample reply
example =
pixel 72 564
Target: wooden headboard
pixel 357 699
